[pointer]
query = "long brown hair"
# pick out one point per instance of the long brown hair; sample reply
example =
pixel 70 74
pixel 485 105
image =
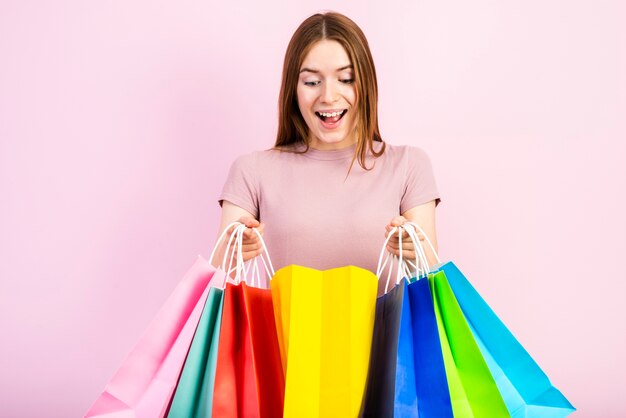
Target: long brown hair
pixel 331 26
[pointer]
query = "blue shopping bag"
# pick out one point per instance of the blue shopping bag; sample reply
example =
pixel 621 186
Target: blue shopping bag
pixel 525 388
pixel 431 385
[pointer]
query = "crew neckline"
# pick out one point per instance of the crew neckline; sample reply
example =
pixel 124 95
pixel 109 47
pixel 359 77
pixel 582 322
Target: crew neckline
pixel 327 155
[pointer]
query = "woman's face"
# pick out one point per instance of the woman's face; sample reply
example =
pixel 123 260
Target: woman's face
pixel 327 96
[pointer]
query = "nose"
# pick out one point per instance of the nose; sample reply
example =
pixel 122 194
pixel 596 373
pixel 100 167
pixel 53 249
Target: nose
pixel 329 92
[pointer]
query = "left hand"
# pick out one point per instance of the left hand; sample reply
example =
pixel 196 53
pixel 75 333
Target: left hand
pixel 408 249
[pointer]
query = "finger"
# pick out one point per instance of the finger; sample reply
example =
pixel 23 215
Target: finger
pixel 394 223
pixel 251 247
pixel 420 236
pixel 394 235
pixel 251 234
pixel 387 232
pixel 247 245
pixel 417 234
pixel 405 236
pixel 247 256
pixel 410 255
pixel 252 253
pixel 388 229
pixel 390 226
pixel 397 221
pixel 406 246
pixel 248 235
pixel 232 229
pixel 249 221
pixel 250 243
pixel 405 254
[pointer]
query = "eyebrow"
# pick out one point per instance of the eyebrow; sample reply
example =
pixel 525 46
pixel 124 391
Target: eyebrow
pixel 310 70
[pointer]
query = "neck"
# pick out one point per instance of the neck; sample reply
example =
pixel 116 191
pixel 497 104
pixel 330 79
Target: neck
pixel 315 143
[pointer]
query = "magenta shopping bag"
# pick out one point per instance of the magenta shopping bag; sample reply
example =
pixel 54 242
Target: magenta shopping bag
pixel 143 386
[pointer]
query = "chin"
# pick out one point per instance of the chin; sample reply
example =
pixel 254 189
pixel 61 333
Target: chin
pixel 332 140
pixel 327 141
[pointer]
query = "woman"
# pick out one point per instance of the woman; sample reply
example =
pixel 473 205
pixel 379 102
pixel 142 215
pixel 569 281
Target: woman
pixel 316 207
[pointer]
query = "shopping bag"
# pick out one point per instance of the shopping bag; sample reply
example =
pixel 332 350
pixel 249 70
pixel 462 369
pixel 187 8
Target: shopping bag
pixel 378 400
pixel 193 397
pixel 526 389
pixel 407 377
pixel 144 384
pixel 324 322
pixel 391 371
pixel 477 394
pixel 249 378
pixel 431 386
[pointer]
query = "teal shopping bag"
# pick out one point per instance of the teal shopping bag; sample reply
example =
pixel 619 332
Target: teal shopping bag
pixel 527 391
pixel 194 392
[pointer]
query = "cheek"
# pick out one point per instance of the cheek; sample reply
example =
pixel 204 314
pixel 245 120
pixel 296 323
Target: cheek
pixel 351 95
pixel 304 102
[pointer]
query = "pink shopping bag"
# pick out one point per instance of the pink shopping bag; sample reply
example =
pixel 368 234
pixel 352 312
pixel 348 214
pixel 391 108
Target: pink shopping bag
pixel 143 386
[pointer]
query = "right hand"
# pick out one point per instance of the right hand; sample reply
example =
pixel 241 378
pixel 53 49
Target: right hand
pixel 251 246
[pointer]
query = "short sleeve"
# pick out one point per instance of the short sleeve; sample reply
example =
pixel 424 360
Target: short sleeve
pixel 420 185
pixel 241 186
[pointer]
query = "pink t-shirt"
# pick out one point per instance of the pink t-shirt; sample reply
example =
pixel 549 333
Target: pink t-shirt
pixel 317 217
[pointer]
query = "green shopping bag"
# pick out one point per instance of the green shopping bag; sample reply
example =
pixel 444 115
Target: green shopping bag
pixel 194 393
pixel 473 390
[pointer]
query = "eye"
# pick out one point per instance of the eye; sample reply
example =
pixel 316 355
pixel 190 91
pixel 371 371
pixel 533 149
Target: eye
pixel 311 83
pixel 347 81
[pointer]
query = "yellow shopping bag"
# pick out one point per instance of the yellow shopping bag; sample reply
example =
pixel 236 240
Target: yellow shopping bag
pixel 324 322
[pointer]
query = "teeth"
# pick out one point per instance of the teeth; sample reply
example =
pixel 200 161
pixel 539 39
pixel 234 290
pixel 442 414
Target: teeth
pixel 330 115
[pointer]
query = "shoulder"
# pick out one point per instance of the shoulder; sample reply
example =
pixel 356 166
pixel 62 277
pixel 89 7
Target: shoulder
pixel 253 159
pixel 406 153
pixel 247 158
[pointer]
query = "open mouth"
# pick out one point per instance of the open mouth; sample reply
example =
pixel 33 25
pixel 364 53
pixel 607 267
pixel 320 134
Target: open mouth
pixel 331 117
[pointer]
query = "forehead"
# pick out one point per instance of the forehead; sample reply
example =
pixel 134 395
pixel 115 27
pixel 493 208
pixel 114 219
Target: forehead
pixel 326 56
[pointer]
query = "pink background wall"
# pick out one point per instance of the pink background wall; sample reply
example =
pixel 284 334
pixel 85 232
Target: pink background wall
pixel 119 120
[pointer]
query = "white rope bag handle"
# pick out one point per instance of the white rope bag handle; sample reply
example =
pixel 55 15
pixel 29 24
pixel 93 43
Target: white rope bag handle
pixel 430 244
pixel 235 256
pixel 254 267
pixel 420 266
pixel 412 227
pixel 229 256
pixel 219 240
pixel 381 265
pixel 401 267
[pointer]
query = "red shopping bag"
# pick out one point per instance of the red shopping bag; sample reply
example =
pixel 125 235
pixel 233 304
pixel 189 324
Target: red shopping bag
pixel 249 379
